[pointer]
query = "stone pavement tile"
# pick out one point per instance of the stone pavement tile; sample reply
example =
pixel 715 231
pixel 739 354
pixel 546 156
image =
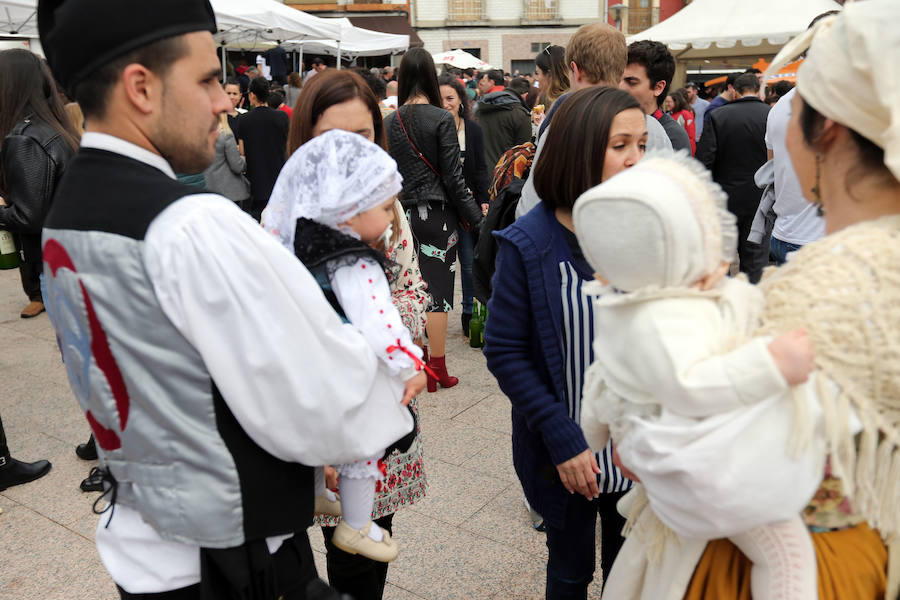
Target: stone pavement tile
pixel 87 525
pixel 451 563
pixel 393 592
pixel 506 520
pixel 45 405
pixel 455 494
pixel 56 495
pixel 452 442
pixel 492 412
pixel 447 403
pixel 494 460
pixel 39 327
pixel 43 560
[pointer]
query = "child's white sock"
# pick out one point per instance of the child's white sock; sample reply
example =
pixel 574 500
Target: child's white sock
pixel 784 561
pixel 357 498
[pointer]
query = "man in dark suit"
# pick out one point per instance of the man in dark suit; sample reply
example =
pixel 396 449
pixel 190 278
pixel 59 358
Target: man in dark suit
pixel 263 133
pixel 733 147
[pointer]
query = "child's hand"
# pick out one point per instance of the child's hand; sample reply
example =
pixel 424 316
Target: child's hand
pixel 793 354
pixel 414 386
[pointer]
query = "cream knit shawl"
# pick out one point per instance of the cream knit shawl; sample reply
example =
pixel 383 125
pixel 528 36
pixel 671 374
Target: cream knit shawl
pixel 845 290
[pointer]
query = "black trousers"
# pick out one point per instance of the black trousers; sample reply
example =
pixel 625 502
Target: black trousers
pixel 4 449
pixel 294 569
pixel 753 257
pixel 360 577
pixel 30 272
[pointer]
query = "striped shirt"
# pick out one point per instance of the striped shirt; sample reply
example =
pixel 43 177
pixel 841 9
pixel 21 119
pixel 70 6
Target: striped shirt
pixel 578 336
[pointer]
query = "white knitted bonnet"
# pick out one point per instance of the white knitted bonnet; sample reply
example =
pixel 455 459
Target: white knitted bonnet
pixel 661 223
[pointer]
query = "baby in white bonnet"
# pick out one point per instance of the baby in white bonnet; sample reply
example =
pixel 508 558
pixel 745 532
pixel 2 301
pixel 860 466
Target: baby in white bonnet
pixel 673 349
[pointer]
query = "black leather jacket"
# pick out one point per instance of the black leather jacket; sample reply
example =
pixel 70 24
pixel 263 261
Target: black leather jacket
pixel 433 131
pixel 33 157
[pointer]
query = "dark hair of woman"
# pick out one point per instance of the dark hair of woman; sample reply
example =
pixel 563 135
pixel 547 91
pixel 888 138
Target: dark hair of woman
pixel 27 89
pixel 418 77
pixel 552 61
pixel 680 100
pixel 871 155
pixel 572 157
pixel 460 91
pixel 323 91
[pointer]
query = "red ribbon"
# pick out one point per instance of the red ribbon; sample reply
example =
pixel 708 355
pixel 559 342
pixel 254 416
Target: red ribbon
pixel 418 362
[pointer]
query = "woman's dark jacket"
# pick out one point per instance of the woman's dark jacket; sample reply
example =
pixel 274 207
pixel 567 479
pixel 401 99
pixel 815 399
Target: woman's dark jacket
pixel 33 157
pixel 433 131
pixel 474 168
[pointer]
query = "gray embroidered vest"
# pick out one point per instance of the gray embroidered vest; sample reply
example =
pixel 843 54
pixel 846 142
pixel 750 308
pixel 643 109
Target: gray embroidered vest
pixel 177 452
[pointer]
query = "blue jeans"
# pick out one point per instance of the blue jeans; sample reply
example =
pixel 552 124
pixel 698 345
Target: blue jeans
pixel 572 550
pixel 780 249
pixel 466 249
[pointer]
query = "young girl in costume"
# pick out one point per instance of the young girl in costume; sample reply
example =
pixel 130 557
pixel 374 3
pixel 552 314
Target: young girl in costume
pixel 673 349
pixel 332 202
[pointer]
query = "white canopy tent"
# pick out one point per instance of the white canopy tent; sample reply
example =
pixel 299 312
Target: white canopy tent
pixel 721 28
pixel 461 60
pixel 353 42
pixel 18 17
pixel 252 22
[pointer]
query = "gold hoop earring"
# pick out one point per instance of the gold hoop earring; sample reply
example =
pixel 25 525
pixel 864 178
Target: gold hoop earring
pixel 816 190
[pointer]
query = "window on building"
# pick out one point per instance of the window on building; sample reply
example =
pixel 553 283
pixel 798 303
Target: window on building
pixel 537 10
pixel 466 10
pixel 539 46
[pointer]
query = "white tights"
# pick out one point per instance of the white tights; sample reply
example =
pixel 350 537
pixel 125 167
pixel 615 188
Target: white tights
pixel 784 561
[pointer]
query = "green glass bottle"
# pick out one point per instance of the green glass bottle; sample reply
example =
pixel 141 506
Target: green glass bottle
pixel 476 327
pixel 9 256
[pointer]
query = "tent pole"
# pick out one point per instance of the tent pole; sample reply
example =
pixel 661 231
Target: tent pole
pixel 339 55
pixel 300 64
pixel 224 73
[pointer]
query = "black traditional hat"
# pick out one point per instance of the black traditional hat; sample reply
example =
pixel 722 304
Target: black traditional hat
pixel 80 36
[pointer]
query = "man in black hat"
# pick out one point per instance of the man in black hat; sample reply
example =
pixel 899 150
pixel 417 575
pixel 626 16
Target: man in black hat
pixel 207 361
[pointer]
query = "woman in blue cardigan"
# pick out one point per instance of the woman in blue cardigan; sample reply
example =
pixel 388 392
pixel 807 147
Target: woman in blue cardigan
pixel 540 331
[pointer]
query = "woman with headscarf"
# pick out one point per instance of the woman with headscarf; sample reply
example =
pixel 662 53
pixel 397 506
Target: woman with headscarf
pixel 844 289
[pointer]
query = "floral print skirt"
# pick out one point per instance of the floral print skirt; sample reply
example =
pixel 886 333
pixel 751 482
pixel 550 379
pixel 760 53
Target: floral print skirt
pixel 434 230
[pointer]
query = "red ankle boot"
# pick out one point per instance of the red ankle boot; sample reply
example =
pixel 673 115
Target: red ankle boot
pixel 438 364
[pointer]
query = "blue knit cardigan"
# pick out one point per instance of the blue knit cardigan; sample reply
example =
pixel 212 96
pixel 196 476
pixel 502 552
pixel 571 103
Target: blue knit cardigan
pixel 524 351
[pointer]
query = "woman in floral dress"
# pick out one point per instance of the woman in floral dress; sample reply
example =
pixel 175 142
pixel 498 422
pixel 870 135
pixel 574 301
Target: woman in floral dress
pixel 342 100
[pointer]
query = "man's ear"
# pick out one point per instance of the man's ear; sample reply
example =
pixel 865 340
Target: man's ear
pixel 142 87
pixel 576 72
pixel 659 88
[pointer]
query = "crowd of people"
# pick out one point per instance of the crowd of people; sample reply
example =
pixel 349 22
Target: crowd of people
pixel 250 282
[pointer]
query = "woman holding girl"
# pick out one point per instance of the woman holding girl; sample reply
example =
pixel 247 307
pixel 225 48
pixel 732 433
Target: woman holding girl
pixel 342 100
pixel 423 140
pixel 539 335
pixel 471 155
pixel 681 111
pixel 844 289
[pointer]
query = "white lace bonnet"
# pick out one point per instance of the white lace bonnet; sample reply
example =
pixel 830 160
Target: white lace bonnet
pixel 329 179
pixel 661 223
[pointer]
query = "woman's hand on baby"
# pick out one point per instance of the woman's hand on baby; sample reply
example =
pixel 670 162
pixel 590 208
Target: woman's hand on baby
pixel 793 354
pixel 331 477
pixel 414 386
pixel 579 474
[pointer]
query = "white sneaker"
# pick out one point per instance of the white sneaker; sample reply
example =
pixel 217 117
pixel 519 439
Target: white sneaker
pixel 357 541
pixel 325 506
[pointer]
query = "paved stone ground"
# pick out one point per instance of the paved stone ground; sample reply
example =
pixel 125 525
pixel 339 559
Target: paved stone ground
pixel 471 538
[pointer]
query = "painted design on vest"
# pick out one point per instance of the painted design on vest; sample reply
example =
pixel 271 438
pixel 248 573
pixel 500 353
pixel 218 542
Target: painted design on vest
pixel 57 258
pixel 433 252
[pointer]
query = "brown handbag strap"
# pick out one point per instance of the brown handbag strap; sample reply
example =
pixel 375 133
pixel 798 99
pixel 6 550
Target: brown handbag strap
pixel 416 150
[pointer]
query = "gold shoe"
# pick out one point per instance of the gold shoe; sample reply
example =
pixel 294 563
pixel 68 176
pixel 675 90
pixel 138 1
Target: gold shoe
pixel 357 541
pixel 32 310
pixel 324 506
